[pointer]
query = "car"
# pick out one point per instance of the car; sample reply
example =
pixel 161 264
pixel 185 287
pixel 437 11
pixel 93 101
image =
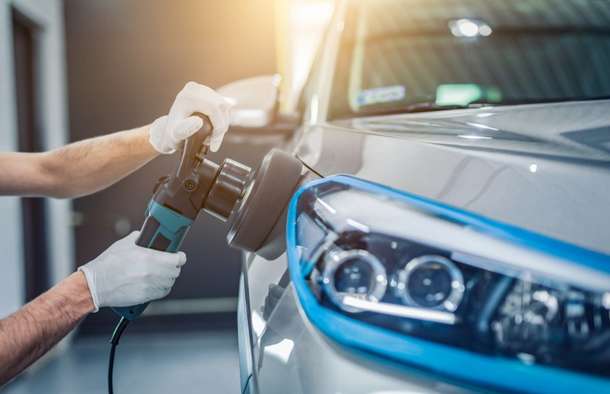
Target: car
pixel 452 229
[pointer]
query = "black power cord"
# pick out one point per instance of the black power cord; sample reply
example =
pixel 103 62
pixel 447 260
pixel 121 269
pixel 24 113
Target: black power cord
pixel 114 342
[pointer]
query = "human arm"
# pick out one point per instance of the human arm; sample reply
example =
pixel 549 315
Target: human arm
pixel 90 165
pixel 76 169
pixel 125 274
pixel 30 332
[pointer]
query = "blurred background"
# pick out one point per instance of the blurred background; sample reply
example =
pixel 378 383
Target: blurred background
pixel 76 69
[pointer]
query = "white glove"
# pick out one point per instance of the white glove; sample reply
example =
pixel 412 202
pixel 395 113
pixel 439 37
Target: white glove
pixel 127 274
pixel 167 131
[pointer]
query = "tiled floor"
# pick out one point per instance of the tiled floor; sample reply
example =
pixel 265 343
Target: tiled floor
pixel 146 363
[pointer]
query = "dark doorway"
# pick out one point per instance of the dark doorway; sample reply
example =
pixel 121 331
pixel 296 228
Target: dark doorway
pixel 30 140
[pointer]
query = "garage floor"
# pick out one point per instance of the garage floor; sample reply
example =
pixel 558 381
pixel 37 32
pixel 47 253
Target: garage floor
pixel 146 363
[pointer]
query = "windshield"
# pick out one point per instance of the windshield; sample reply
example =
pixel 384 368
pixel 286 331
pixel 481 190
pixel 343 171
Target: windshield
pixel 423 55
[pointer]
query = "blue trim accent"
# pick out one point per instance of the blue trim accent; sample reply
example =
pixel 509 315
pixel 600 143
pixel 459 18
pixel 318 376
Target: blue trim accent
pixel 496 372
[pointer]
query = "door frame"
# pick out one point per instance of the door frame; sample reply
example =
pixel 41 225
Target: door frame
pixel 26 50
pixel 48 16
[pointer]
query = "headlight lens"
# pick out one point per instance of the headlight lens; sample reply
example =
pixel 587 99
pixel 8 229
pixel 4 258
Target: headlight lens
pixel 353 273
pixel 431 281
pixel 391 263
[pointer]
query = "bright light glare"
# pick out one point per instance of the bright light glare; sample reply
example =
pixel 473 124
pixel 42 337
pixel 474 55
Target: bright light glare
pixel 258 324
pixel 399 310
pixel 358 225
pixel 606 300
pixel 474 137
pixel 481 126
pixel 485 30
pixel 312 12
pixel 281 350
pixel 304 25
pixel 469 28
pixel 396 392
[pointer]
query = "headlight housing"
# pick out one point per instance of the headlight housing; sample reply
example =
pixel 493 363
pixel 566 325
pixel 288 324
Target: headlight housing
pixel 439 288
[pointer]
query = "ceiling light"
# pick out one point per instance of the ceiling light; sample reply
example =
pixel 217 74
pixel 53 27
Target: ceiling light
pixel 469 28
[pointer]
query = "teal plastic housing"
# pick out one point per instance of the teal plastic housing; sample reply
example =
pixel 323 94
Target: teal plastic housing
pixel 170 225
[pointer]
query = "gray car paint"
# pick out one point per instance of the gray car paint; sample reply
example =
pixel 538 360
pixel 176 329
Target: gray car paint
pixel 543 167
pixel 289 355
pixel 564 196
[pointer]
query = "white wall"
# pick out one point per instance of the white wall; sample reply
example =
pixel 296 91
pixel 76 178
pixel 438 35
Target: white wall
pixel 49 15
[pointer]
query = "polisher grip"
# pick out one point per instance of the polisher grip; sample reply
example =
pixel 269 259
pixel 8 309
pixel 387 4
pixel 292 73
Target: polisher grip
pixel 164 230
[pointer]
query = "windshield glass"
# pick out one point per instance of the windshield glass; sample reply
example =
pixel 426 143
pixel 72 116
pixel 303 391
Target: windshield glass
pixel 423 55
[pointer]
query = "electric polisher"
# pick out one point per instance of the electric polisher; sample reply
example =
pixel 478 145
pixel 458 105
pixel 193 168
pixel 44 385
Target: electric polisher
pixel 253 201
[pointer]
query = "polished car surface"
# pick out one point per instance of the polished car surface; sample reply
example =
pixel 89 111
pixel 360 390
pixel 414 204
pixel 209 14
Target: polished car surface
pixel 474 139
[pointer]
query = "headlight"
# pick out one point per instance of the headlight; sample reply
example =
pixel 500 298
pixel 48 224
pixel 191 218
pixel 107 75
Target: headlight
pixel 353 273
pixel 450 291
pixel 431 281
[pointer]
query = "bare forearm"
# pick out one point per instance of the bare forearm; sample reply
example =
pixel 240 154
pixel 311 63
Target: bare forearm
pixel 32 331
pixel 76 169
pixel 94 164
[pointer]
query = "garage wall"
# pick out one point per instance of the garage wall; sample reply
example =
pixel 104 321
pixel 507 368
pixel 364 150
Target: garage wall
pixel 48 15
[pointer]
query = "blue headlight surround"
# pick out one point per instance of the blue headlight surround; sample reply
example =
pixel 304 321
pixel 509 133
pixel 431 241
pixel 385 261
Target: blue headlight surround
pixel 496 372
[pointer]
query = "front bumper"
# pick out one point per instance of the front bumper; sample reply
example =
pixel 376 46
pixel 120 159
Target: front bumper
pixel 281 351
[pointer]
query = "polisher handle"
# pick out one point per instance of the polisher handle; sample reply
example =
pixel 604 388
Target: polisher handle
pixel 163 229
pixel 194 148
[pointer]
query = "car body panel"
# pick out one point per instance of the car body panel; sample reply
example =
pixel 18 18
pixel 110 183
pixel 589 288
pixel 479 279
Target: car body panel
pixel 431 160
pixel 290 355
pixel 543 168
pixel 544 176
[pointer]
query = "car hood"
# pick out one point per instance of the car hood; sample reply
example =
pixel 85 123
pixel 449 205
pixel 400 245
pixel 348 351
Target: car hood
pixel 543 167
pixel 579 130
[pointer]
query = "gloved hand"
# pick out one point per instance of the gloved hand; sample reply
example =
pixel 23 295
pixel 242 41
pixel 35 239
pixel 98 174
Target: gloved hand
pixel 167 131
pixel 128 274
